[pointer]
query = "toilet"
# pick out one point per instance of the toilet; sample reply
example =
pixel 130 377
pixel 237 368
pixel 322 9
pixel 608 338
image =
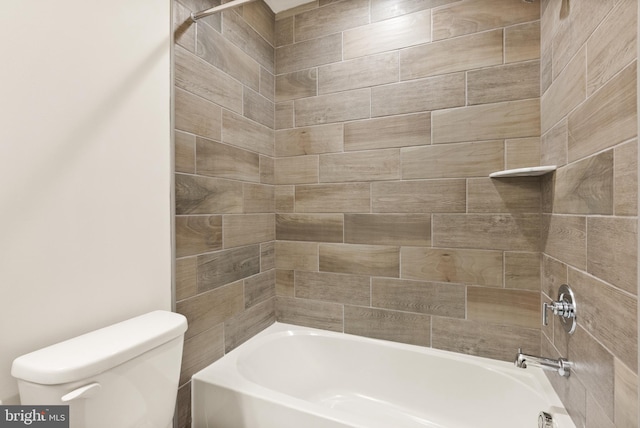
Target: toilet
pixel 121 376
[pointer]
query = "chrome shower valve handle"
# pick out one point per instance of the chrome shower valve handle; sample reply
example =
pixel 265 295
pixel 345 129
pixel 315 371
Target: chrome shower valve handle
pixel 564 307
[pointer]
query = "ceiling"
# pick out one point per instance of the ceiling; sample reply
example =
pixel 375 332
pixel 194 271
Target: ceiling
pixel 280 5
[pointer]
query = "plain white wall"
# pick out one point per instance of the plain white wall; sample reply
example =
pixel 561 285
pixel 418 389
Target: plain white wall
pixel 85 169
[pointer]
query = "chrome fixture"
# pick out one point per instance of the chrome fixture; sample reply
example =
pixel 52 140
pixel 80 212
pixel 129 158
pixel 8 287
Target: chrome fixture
pixel 564 307
pixel 561 365
pixel 545 420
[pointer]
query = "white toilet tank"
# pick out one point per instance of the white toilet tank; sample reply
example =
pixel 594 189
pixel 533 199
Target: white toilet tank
pixel 122 376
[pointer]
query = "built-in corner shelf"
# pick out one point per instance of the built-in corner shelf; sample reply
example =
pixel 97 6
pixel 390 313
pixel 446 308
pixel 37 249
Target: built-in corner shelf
pixel 524 172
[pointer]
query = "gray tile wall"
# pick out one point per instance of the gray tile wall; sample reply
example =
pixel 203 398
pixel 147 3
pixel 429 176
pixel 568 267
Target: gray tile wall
pixel 390 115
pixel 589 221
pixel 225 193
pixel 336 157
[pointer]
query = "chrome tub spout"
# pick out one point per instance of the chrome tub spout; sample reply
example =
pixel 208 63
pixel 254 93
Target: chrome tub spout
pixel 561 365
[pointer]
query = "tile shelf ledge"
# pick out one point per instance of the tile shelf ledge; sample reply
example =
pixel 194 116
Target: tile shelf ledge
pixel 533 171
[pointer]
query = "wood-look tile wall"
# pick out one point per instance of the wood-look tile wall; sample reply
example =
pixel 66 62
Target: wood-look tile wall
pixel 589 209
pixel 225 181
pixel 390 115
pixel 331 171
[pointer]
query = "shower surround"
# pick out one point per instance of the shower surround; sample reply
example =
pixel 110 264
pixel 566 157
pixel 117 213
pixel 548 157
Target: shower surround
pixel 332 170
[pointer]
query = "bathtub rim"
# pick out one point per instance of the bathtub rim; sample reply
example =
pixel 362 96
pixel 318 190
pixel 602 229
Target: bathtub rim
pixel 232 379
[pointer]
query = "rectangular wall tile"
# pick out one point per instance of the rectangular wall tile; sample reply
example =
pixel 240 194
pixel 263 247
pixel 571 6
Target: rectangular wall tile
pixel 460 266
pixel 388 132
pixel 608 314
pixel 385 9
pixel 565 238
pixel 488 195
pixel 595 370
pixel 613 44
pixel 224 55
pixel 416 296
pixel 395 33
pixel 183 29
pixel 284 115
pixel 296 255
pixel 522 270
pixel 267 166
pixel 310 313
pixel 506 307
pixel 260 17
pixel 209 309
pixel 608 117
pixel 517 232
pixel 339 107
pixel 309 53
pixel 522 42
pixel 258 198
pixel 625 178
pixel 205 195
pixel 387 229
pixel 285 283
pixel 197 115
pixel 248 229
pixel 224 161
pixel 198 234
pixel 370 165
pixel 373 260
pixel 201 350
pixel 226 266
pixel 259 288
pixel 419 196
pixel 258 108
pixel 574 26
pixel 284 199
pixel 553 145
pixel 554 274
pixel 309 227
pixel 244 325
pixel 201 78
pixel 332 287
pixel 566 92
pixel 185 152
pixel 267 256
pixel 504 83
pixel 522 152
pixel 241 33
pixel 477 159
pixel 397 326
pixel 247 134
pixel 612 251
pixel 310 140
pixel 298 84
pixel 358 73
pixel 449 56
pixel 347 198
pixel 428 94
pixel 585 187
pixel 296 170
pixel 626 395
pixel 511 119
pixel 462 18
pixel 330 19
pixel 481 338
pixel 186 278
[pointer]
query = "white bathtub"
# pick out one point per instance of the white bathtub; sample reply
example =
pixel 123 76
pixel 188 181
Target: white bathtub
pixel 297 377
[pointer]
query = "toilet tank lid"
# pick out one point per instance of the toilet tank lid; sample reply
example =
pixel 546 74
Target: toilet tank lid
pixel 100 350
